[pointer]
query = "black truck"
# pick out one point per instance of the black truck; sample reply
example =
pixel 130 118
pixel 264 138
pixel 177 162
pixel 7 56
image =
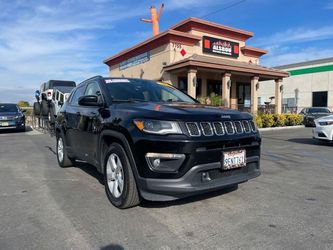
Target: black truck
pixel 152 141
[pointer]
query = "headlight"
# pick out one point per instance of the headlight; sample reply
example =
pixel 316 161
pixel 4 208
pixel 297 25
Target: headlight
pixel 326 123
pixel 158 127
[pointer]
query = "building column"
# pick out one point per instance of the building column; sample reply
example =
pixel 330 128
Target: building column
pixel 234 99
pixel 192 82
pixel 204 85
pixel 254 95
pixel 226 89
pixel 278 96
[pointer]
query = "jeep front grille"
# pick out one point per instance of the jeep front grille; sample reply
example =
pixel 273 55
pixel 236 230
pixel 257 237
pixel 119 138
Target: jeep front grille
pixel 193 129
pixel 196 129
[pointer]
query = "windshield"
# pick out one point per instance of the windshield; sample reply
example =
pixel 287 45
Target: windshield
pixel 8 108
pixel 319 110
pixel 144 91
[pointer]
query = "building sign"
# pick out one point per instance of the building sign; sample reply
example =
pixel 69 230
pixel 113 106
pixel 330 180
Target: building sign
pixel 139 59
pixel 220 47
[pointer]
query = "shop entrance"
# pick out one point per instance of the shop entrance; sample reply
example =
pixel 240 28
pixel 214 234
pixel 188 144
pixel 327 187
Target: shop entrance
pixel 214 86
pixel 244 95
pixel 319 99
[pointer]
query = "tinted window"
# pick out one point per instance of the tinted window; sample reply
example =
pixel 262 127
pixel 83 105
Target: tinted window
pixel 318 110
pixel 145 91
pixel 93 89
pixel 61 84
pixel 78 93
pixel 8 108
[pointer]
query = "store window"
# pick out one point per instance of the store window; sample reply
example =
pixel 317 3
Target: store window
pixel 319 99
pixel 214 86
pixel 182 85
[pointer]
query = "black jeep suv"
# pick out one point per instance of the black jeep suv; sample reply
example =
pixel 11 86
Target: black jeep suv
pixel 152 141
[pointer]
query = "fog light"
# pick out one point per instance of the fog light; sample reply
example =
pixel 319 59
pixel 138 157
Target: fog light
pixel 164 163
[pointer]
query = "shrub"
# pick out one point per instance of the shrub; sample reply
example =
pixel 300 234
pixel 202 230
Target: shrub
pixel 294 119
pixel 258 121
pixel 216 100
pixel 267 120
pixel 279 120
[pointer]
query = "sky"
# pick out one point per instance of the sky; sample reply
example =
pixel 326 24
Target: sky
pixel 69 39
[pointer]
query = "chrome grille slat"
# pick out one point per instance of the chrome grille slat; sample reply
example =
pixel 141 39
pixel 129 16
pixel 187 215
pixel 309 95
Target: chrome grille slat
pixel 238 127
pixel 193 129
pixel 206 128
pixel 253 126
pixel 218 128
pixel 246 126
pixel 229 127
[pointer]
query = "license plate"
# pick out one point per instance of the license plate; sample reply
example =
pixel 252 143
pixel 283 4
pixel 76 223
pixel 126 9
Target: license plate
pixel 234 159
pixel 4 124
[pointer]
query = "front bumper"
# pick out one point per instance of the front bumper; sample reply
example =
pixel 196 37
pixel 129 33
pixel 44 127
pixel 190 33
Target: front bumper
pixel 12 124
pixel 324 133
pixel 193 182
pixel 203 155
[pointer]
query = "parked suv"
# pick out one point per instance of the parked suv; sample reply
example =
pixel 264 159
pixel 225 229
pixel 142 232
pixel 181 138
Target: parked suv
pixel 152 141
pixel 48 106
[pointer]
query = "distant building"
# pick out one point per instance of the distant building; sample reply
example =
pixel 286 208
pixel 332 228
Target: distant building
pixel 310 84
pixel 201 57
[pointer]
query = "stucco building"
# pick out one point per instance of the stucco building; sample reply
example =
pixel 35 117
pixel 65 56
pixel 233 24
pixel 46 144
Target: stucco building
pixel 310 84
pixel 201 57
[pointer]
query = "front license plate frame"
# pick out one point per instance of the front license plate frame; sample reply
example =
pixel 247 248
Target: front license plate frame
pixel 233 159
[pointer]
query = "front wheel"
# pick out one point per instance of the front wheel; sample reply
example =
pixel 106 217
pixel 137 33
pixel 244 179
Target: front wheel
pixel 119 181
pixel 63 159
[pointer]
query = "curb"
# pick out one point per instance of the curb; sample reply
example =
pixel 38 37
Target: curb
pixel 280 128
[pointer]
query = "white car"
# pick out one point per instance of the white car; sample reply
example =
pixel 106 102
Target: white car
pixel 324 129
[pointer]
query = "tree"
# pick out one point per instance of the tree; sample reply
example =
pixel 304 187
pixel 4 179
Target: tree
pixel 23 104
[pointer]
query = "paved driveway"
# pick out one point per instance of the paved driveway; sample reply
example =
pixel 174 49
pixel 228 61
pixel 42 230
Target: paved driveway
pixel 45 207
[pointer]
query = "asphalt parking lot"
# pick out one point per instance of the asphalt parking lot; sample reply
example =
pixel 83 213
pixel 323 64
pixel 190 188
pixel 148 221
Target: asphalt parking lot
pixel 290 206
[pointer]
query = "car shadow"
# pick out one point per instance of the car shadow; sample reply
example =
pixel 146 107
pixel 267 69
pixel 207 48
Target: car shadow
pixel 309 141
pixel 92 171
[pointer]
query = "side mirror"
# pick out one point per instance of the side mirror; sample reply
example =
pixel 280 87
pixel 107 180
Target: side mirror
pixel 89 100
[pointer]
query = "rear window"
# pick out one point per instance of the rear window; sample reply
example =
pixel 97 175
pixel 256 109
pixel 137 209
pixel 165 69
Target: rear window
pixel 61 84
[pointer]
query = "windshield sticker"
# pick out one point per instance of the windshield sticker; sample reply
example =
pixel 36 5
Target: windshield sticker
pixel 116 80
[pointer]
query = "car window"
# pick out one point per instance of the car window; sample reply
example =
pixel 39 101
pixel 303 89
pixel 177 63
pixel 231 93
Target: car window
pixel 93 89
pixel 77 94
pixel 61 98
pixel 319 110
pixel 57 97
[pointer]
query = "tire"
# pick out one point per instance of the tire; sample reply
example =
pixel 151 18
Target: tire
pixel 37 108
pixel 125 195
pixel 44 108
pixel 63 159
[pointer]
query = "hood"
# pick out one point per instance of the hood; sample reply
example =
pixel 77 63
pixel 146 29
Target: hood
pixel 181 111
pixel 317 115
pixel 326 118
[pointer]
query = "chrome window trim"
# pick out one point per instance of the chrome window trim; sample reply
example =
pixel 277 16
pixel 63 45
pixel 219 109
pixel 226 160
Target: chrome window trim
pixel 196 124
pixel 222 126
pixel 210 126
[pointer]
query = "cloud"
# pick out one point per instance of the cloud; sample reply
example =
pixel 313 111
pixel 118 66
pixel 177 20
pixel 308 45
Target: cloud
pixel 296 35
pixel 285 56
